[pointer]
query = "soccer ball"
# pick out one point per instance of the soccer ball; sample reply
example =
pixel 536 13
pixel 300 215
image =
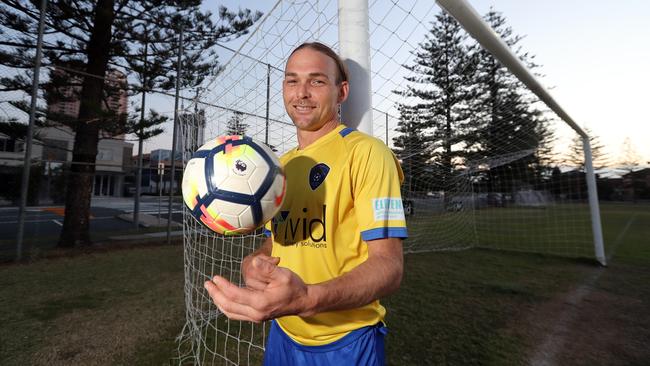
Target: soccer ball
pixel 233 185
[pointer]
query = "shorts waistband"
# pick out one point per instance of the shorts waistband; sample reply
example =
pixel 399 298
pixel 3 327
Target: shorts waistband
pixel 347 339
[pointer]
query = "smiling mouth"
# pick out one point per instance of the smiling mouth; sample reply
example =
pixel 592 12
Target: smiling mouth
pixel 303 108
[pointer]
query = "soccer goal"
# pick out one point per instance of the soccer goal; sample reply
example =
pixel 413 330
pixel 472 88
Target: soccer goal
pixel 479 140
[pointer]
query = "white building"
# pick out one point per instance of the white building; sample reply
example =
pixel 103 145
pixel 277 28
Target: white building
pixel 113 160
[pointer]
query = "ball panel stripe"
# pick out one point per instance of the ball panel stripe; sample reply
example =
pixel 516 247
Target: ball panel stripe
pixel 201 154
pixel 270 175
pixel 224 142
pixel 258 216
pixel 196 210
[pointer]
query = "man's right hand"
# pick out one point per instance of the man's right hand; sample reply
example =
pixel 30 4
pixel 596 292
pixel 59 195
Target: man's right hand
pixel 256 275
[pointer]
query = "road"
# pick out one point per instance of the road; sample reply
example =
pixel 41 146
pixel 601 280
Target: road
pixel 46 221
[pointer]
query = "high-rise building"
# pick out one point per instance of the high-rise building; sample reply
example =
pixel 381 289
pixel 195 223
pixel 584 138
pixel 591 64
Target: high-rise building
pixel 116 100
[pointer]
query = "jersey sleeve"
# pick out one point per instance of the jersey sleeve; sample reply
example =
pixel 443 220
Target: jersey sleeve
pixel 376 177
pixel 267 228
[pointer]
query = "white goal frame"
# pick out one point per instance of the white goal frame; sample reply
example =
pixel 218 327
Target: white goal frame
pixel 472 22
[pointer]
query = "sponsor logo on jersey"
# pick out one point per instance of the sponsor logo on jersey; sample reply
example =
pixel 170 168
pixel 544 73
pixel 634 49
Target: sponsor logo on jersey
pixel 317 175
pixel 388 208
pixel 301 226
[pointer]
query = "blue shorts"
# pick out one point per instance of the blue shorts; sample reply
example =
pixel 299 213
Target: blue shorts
pixel 363 347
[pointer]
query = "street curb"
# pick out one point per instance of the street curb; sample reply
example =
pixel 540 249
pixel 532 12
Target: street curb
pixel 147 236
pixel 146 220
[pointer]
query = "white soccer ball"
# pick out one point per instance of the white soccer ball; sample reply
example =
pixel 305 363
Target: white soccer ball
pixel 233 185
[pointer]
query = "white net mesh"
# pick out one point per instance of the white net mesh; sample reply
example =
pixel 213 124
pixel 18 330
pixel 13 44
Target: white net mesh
pixel 479 163
pixel 209 338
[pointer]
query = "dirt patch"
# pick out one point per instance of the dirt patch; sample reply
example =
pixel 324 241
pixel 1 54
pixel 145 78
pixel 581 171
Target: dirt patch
pixel 605 321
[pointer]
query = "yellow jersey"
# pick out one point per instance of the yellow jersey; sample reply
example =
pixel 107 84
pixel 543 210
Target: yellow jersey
pixel 343 190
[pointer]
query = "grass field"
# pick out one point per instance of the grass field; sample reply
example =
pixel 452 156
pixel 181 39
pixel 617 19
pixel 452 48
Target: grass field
pixel 561 229
pixel 473 307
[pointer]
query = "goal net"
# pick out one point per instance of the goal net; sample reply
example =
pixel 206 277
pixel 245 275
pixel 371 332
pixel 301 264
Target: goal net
pixel 483 158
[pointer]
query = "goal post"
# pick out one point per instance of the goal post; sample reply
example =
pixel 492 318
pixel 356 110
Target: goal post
pixel 354 49
pixel 472 22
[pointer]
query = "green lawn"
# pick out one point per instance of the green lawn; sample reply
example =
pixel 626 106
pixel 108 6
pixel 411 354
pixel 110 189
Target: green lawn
pixel 560 229
pixel 105 308
pixel 458 307
pixel 467 307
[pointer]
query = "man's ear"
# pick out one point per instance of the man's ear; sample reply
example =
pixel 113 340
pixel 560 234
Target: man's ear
pixel 344 91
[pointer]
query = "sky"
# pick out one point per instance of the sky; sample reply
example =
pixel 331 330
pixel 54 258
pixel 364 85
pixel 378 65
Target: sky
pixel 594 57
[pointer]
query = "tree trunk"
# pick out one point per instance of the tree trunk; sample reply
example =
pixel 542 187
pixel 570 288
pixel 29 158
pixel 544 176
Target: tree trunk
pixel 76 223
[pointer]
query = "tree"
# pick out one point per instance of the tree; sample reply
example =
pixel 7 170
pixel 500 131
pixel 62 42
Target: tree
pixel 410 147
pixel 87 38
pixel 236 125
pixel 14 129
pixel 509 124
pixel 148 127
pixel 438 121
pixel 629 161
pixel 630 157
pixel 576 156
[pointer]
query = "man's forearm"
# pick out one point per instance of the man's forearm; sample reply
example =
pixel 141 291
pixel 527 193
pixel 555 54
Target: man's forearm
pixel 273 291
pixel 379 276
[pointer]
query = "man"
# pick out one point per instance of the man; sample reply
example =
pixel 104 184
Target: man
pixel 335 247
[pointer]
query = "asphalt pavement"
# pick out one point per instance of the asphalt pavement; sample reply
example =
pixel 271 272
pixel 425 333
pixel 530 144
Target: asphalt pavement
pixel 111 217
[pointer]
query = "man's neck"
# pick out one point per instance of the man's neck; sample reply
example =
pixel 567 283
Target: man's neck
pixel 306 138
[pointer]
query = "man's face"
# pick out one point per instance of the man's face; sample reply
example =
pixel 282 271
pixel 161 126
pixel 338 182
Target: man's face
pixel 310 93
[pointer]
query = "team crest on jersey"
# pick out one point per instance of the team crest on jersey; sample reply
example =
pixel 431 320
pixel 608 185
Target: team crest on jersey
pixel 317 175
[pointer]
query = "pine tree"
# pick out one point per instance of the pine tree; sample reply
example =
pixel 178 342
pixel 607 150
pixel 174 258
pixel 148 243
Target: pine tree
pixel 630 161
pixel 437 122
pixel 509 122
pixel 236 124
pixel 410 146
pixel 13 129
pixel 84 37
pixel 630 157
pixel 576 156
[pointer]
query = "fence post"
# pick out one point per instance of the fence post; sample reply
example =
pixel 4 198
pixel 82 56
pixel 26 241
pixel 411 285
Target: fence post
pixel 176 122
pixel 268 97
pixel 30 132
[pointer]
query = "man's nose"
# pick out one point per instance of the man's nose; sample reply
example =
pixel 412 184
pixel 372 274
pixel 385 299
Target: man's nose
pixel 303 91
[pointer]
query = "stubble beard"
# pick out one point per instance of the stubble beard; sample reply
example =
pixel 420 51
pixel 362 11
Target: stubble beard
pixel 313 123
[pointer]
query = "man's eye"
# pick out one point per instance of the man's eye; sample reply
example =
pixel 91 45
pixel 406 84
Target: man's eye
pixel 317 82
